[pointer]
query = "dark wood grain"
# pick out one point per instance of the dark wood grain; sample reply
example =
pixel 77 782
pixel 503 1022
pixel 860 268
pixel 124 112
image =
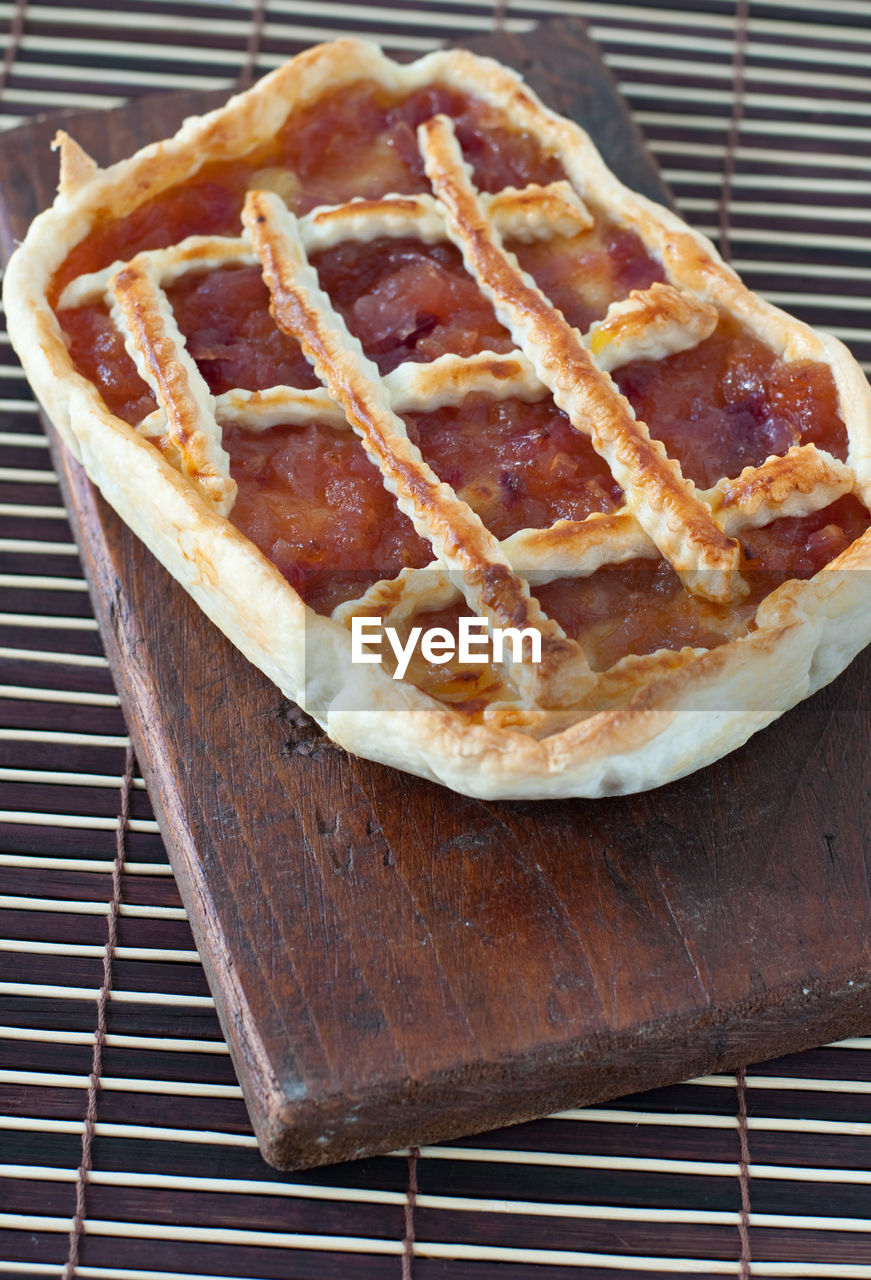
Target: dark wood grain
pixel 393 963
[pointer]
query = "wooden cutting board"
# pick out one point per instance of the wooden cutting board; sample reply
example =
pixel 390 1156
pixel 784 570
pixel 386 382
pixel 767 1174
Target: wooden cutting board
pixel 395 964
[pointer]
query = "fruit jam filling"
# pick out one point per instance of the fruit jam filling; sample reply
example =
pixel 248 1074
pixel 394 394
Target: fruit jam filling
pixel 315 505
pixel 584 274
pixel 229 333
pixel 637 607
pixel 97 350
pixel 519 466
pixel 408 301
pixel 800 546
pixel 363 142
pixel 730 403
pixel 224 316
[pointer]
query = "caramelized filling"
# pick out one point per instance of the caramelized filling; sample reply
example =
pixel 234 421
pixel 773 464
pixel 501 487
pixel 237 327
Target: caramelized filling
pixel 408 301
pixel 518 465
pixel 315 505
pixel 209 205
pixel 730 404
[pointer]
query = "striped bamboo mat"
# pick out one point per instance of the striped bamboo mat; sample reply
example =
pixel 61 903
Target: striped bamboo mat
pixel 760 117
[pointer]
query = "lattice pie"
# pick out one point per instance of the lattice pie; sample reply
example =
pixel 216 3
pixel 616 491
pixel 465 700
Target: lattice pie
pixel 390 343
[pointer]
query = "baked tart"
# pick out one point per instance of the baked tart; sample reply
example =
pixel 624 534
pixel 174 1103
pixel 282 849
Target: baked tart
pixel 491 464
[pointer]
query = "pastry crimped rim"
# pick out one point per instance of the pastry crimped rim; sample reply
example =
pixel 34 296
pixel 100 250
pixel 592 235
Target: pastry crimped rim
pixel 684 708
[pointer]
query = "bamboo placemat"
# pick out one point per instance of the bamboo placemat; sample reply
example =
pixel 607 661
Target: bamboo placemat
pixel 760 117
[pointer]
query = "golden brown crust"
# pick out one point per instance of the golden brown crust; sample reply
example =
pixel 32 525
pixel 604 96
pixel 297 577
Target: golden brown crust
pixel 649 718
pixel 158 350
pixel 804 479
pixel 650 324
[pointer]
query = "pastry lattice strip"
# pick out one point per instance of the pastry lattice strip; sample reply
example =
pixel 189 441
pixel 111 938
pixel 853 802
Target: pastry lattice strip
pixel 803 480
pixel 141 311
